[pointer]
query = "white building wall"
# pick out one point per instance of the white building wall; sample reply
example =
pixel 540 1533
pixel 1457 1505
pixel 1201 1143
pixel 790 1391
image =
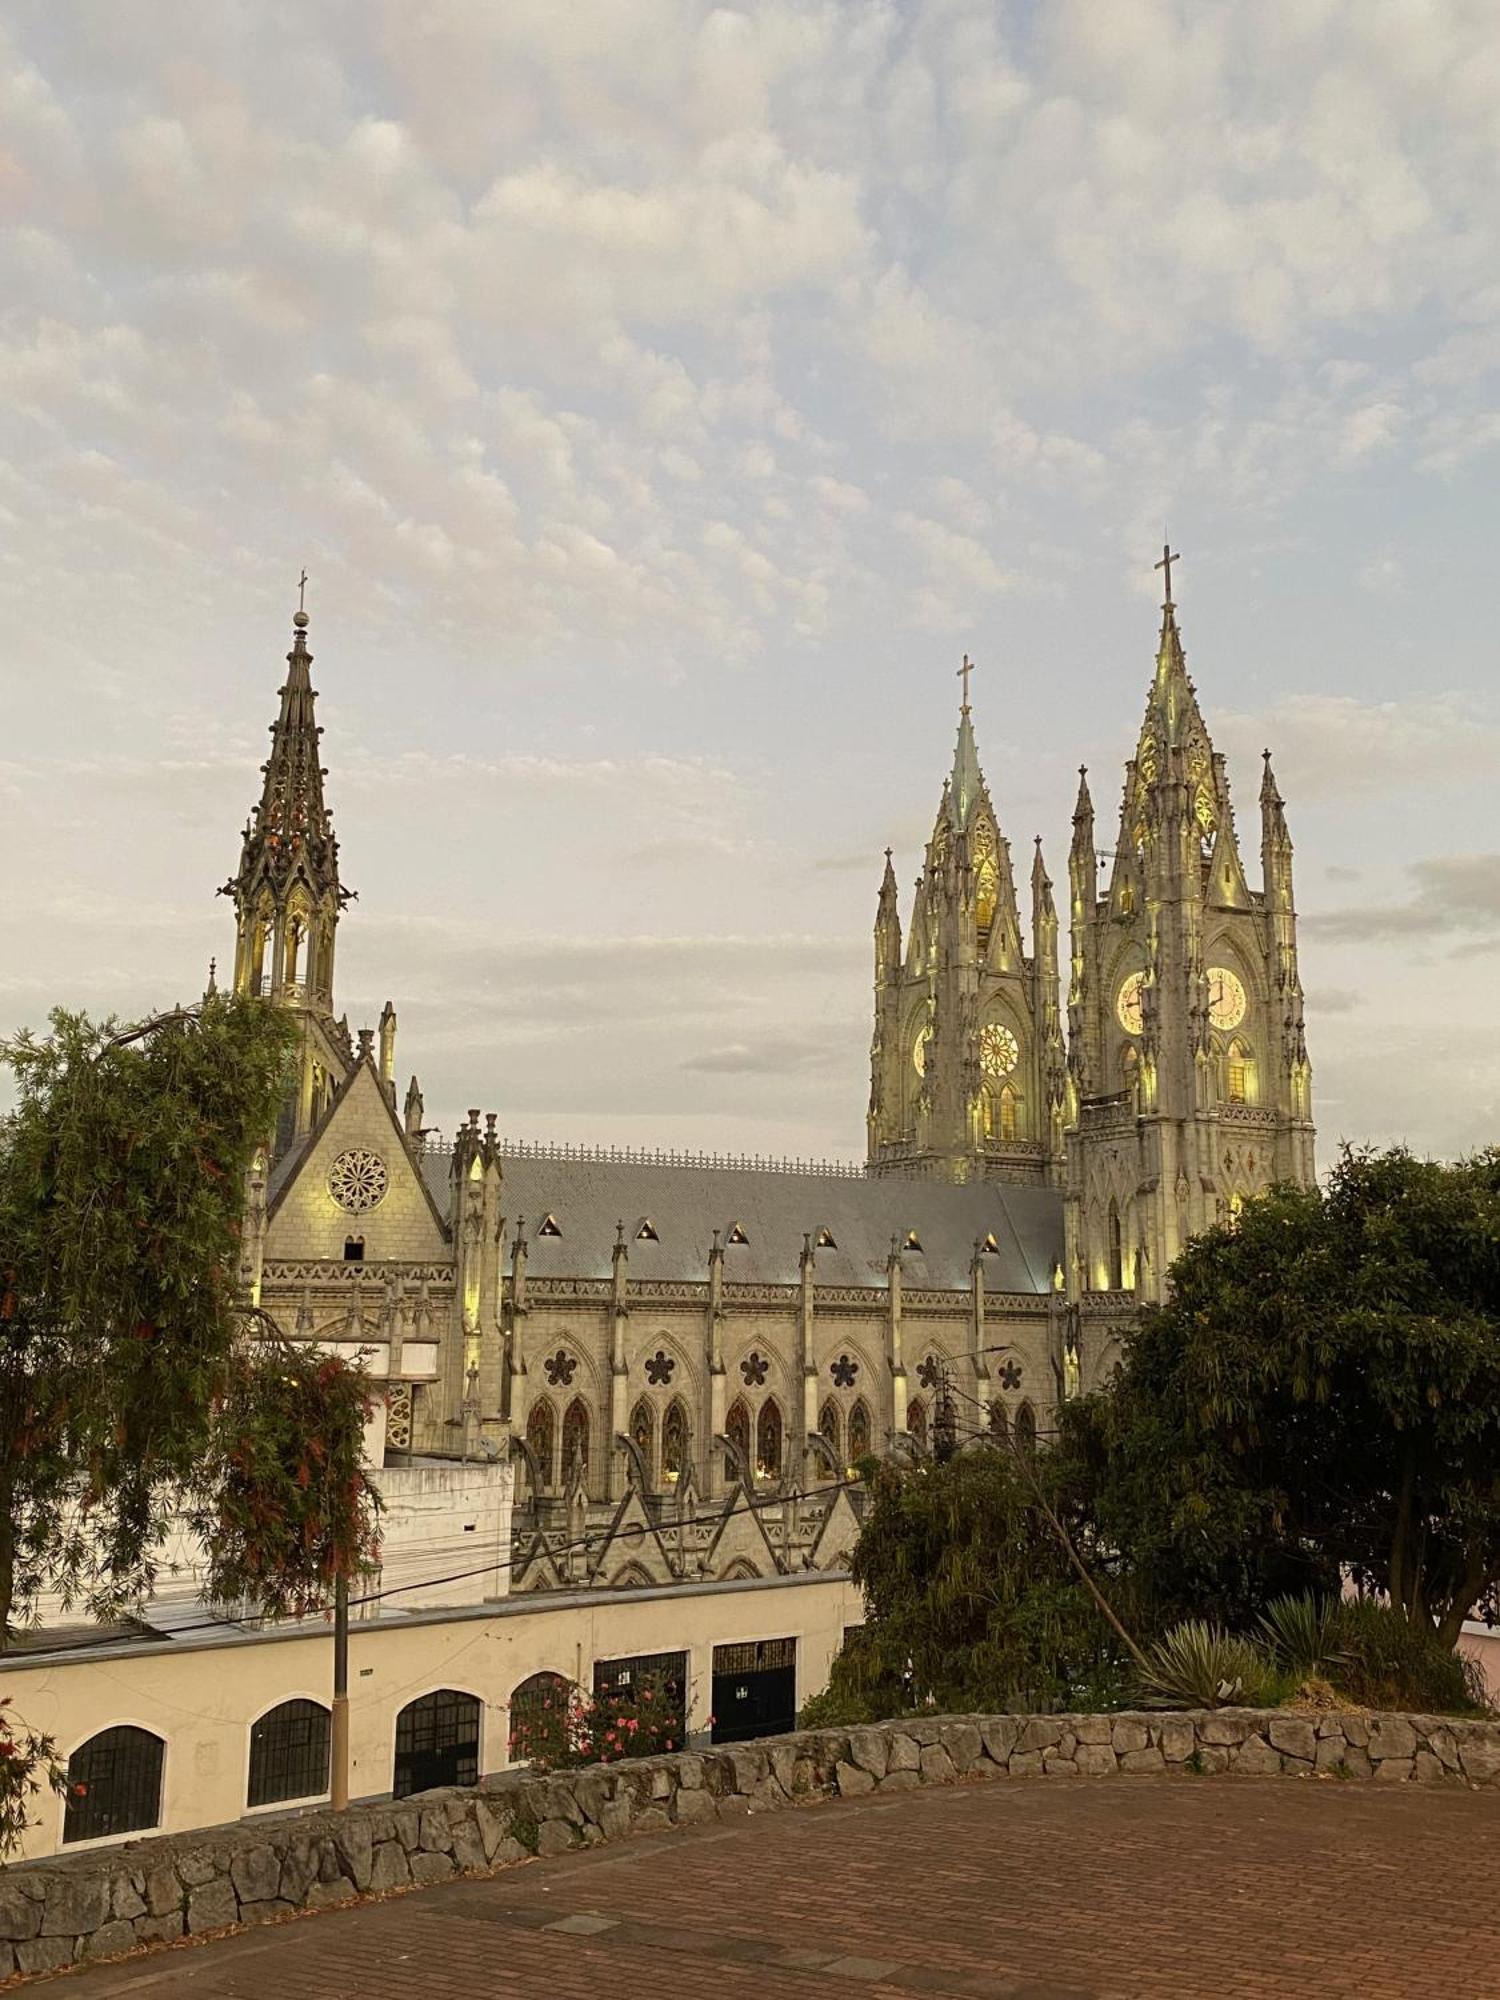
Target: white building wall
pixel 201 1693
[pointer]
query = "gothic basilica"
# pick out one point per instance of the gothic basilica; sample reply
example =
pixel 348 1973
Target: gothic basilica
pixel 658 1338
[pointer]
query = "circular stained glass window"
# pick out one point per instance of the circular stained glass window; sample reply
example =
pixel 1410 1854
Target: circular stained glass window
pixel 357 1180
pixel 998 1049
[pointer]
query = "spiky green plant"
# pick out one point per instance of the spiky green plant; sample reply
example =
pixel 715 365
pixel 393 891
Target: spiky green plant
pixel 1305 1635
pixel 1198 1665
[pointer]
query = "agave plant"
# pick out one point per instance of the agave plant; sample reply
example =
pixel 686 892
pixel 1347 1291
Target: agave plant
pixel 1306 1634
pixel 1197 1665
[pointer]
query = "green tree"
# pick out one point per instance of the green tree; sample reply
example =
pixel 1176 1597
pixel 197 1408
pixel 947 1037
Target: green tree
pixel 128 1382
pixel 1321 1392
pixel 972 1599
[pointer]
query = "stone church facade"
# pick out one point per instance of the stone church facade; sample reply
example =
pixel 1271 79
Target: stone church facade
pixel 686 1355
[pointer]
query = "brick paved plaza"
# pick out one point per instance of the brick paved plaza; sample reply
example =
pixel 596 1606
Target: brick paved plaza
pixel 1055 1891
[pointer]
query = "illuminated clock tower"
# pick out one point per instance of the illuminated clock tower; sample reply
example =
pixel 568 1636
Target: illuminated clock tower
pixel 1188 1085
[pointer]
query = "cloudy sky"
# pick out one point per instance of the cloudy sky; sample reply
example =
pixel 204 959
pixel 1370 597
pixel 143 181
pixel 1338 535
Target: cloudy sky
pixel 663 396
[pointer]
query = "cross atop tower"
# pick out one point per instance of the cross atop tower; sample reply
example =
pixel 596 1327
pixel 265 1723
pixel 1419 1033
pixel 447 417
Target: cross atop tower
pixel 963 674
pixel 1168 557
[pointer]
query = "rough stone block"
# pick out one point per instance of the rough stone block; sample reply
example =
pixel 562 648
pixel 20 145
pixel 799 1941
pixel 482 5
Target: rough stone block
pixel 1177 1739
pixel 75 1904
pixel 748 1765
pixel 1357 1761
pixel 1025 1763
pixel 1149 1759
pixel 653 1820
pixel 1255 1755
pixel 256 1875
pixel 963 1743
pixel 44 1954
pixel 1331 1752
pixel 1441 1743
pixel 870 1749
pixel 593 1790
pixel 212 1906
pixel 1094 1760
pixel 1223 1727
pixel 20 1914
pixel 783 1758
pixel 661 1781
pixel 159 1930
pixel 389 1867
pixel 1479 1759
pixel 853 1781
pixel 1212 1758
pixel 436 1835
pixel 427 1867
pixel 1391 1736
pixel 111 1939
pixel 1056 1765
pixel 1355 1728
pixel 1128 1736
pixel 998 1735
pixel 937 1765
pixel 264 1913
pixel 124 1897
pixel 329 1895
pixel 1427 1769
pixel 299 1870
pixel 1041 1732
pixel 1331 1725
pixel 689 1808
pixel 1087 1728
pixel 408 1827
pixel 900 1781
pixel 355 1844
pixel 468 1848
pixel 1394 1770
pixel 614 1820
pixel 906 1752
pixel 1294 1735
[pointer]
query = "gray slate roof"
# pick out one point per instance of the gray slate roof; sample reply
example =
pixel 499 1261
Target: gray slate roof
pixel 686 1204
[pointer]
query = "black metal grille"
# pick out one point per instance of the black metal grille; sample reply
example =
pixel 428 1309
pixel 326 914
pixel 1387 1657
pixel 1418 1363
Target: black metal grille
pixel 114 1784
pixel 755 1657
pixel 289 1753
pixel 437 1742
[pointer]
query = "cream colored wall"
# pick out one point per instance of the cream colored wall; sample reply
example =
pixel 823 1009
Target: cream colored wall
pixel 203 1702
pixel 310 1223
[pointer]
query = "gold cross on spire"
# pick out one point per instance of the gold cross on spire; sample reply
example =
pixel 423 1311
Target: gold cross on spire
pixel 302 591
pixel 1167 560
pixel 963 674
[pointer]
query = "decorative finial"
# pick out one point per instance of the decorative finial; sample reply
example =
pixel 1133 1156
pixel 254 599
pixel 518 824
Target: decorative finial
pixel 299 616
pixel 963 674
pixel 213 965
pixel 1168 557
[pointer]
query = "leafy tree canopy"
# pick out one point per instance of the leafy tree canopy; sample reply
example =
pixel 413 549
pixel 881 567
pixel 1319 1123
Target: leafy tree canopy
pixel 122 1348
pixel 1322 1391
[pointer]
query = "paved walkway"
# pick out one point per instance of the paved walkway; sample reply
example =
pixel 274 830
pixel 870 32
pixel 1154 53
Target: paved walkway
pixel 1110 1890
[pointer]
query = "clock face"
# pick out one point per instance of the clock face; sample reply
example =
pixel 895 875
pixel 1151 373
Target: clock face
pixel 919 1048
pixel 999 1051
pixel 1128 1003
pixel 1226 998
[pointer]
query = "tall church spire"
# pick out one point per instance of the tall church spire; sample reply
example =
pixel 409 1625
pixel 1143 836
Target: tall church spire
pixel 286 892
pixel 966 785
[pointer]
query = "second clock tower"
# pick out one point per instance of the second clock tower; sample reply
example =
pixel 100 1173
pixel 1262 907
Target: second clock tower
pixel 1189 1086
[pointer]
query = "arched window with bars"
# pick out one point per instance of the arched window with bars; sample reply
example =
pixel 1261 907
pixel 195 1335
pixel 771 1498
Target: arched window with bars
pixel 1239 1073
pixel 916 1421
pixel 831 1424
pixel 1116 1250
pixel 769 1445
pixel 1026 1428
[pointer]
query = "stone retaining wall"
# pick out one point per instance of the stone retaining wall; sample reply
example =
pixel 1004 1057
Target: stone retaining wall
pixel 142 1892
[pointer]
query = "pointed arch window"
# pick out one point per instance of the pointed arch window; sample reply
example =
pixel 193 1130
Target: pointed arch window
pixel 541 1429
pixel 1116 1250
pixel 1026 1428
pixel 999 1418
pixel 916 1421
pixel 1130 1065
pixel 769 1446
pixel 575 1439
pixel 860 1439
pixel 1002 1113
pixel 643 1434
pixel 675 1442
pixel 737 1430
pixel 831 1424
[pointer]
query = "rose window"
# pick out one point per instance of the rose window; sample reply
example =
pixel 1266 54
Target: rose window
pixel 844 1371
pixel 358 1180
